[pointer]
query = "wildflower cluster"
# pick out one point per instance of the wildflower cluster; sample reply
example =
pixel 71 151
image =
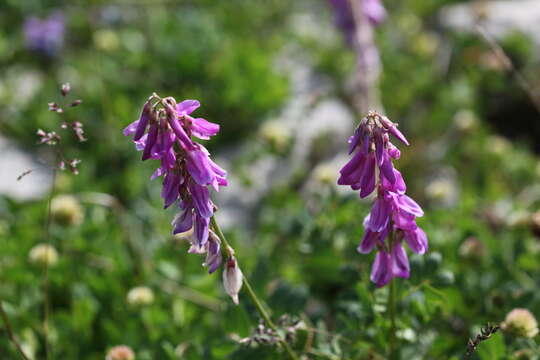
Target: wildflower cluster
pixel 164 132
pixel 392 219
pixel 45 36
pixel 54 138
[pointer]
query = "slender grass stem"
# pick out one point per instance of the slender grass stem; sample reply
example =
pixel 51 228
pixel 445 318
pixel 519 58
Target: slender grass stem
pixel 254 298
pixel 392 315
pixel 46 304
pixel 10 332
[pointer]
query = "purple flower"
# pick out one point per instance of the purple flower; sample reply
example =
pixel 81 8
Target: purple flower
pixel 164 132
pixel 45 36
pixel 392 218
pixel 372 9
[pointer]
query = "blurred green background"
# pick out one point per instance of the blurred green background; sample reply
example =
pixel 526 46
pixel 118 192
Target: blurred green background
pixel 275 75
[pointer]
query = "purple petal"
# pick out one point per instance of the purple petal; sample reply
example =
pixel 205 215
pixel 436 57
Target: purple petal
pixel 355 139
pixel 379 215
pixel 201 229
pixel 213 256
pixel 183 221
pixel 417 240
pixel 368 177
pixel 379 148
pixel 381 270
pixel 387 168
pixel 403 220
pixel 398 186
pixel 143 121
pixel 368 242
pixel 351 173
pixel 203 129
pixel 400 262
pixel 407 204
pixel 170 192
pixel 201 199
pixel 180 133
pixel 394 131
pixel 186 107
pixel 150 141
pixel 131 128
pixel 199 167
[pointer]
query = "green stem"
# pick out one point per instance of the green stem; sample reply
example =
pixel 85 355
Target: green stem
pixel 258 304
pixel 9 331
pixel 392 307
pixel 392 313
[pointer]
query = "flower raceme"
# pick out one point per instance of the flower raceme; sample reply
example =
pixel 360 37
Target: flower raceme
pixel 392 219
pixel 164 132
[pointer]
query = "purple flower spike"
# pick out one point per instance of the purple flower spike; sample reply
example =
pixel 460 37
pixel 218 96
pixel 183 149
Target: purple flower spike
pixel 393 216
pixel 164 132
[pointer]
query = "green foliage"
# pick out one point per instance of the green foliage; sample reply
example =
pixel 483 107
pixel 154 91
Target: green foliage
pixel 299 250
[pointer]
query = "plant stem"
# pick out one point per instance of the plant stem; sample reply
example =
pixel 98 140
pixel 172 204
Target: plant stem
pixel 10 332
pixel 46 268
pixel 392 313
pixel 258 304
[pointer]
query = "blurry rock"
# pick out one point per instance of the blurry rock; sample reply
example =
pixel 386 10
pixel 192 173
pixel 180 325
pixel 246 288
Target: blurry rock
pixel 15 162
pixel 120 352
pixel 520 322
pixel 66 210
pixel 472 249
pixel 499 17
pixel 140 296
pixel 43 255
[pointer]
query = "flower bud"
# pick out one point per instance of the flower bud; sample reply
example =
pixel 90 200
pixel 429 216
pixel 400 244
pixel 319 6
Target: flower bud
pixel 120 352
pixel 520 322
pixel 66 210
pixel 66 88
pixel 140 296
pixel 43 255
pixel 232 278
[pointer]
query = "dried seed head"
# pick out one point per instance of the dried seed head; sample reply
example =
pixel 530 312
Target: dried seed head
pixel 43 255
pixel 520 322
pixel 66 210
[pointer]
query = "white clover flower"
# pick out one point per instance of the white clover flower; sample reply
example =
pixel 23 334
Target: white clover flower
pixel 140 296
pixel 520 322
pixel 66 210
pixel 43 255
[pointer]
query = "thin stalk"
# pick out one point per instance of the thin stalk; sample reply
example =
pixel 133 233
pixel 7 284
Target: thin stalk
pixel 392 307
pixel 254 298
pixel 46 269
pixel 392 315
pixel 10 332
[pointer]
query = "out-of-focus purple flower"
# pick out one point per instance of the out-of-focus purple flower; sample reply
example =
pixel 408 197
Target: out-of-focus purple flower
pixel 392 219
pixel 45 35
pixel 373 10
pixel 164 132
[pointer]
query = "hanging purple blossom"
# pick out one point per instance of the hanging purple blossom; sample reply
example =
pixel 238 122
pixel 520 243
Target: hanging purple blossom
pixel 373 9
pixel 164 132
pixel 392 219
pixel 45 36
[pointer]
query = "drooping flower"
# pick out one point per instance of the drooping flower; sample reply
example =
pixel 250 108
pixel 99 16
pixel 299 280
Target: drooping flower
pixel 45 35
pixel 373 10
pixel 392 219
pixel 164 132
pixel 232 278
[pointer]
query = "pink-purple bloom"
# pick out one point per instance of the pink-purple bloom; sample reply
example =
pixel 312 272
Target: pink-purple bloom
pixel 45 35
pixel 373 9
pixel 392 219
pixel 165 132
